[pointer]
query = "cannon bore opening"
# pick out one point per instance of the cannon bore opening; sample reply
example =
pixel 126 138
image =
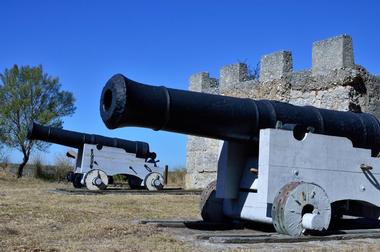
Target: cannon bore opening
pixel 107 100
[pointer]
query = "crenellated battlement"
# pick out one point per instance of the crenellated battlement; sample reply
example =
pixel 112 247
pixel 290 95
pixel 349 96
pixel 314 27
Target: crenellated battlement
pixel 333 54
pixel 334 81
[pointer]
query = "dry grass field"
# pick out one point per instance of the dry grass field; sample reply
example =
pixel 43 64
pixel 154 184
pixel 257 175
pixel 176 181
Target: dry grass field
pixel 32 218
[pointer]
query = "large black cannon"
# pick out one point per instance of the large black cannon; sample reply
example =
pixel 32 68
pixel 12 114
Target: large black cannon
pixel 77 139
pixel 292 166
pixel 127 103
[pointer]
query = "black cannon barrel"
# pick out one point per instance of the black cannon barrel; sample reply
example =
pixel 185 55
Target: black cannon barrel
pixel 128 103
pixel 77 139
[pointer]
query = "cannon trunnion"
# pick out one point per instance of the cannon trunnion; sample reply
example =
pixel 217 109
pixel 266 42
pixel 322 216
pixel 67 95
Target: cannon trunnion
pixel 291 166
pixel 99 158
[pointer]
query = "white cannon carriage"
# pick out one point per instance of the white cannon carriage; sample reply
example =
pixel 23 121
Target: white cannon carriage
pixel 295 184
pixel 99 158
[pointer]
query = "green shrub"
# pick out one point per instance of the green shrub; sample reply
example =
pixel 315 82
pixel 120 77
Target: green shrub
pixel 63 165
pixel 56 172
pixel 38 167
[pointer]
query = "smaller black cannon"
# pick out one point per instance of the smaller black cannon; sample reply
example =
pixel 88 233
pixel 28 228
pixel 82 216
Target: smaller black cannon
pixel 99 158
pixel 76 140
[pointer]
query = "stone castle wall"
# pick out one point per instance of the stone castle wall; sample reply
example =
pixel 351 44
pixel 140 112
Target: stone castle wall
pixel 334 82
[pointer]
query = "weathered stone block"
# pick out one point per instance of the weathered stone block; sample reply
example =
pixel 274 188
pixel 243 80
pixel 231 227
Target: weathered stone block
pixel 275 65
pixel 231 74
pixel 337 98
pixel 333 53
pixel 201 160
pixel 201 82
pixel 199 180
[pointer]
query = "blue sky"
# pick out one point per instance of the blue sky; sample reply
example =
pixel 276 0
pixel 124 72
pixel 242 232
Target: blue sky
pixel 163 42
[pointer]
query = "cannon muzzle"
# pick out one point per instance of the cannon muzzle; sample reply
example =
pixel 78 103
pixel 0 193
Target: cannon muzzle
pixel 128 103
pixel 76 140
